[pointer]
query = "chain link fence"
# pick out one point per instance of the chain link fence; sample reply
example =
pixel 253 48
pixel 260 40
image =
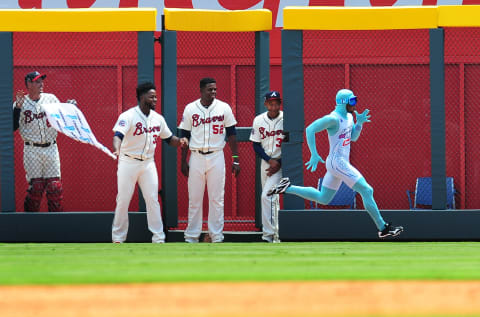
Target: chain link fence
pixel 99 71
pixel 229 58
pixel 389 72
pixel 462 95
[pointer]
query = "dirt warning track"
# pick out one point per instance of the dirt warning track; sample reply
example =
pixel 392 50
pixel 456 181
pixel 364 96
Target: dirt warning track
pixel 336 298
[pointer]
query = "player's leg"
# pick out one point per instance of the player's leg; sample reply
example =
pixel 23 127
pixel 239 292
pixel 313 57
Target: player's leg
pixel 54 191
pixel 196 189
pixel 33 168
pixel 34 194
pixel 216 192
pixel 127 174
pixel 366 191
pixel 148 182
pixel 322 196
pixel 329 187
pixel 268 202
pixel 345 171
pixel 51 167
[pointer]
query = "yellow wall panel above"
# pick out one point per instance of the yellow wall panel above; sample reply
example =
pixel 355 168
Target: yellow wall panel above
pixel 359 18
pixel 218 20
pixel 459 16
pixel 78 20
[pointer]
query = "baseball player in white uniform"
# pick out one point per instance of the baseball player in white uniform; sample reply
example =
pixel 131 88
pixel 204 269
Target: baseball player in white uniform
pixel 206 122
pixel 40 153
pixel 342 130
pixel 267 136
pixel 137 132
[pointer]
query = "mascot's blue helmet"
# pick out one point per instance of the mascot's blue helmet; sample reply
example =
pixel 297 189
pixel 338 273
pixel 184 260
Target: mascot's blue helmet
pixel 346 96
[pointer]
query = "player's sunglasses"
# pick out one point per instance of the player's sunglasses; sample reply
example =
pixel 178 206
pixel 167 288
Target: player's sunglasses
pixel 352 101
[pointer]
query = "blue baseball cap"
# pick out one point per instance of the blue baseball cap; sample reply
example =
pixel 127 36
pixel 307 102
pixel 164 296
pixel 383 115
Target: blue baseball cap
pixel 272 95
pixel 33 76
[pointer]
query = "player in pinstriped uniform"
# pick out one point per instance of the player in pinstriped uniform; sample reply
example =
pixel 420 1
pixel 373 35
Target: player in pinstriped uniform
pixel 205 122
pixel 267 136
pixel 40 153
pixel 342 130
pixel 137 133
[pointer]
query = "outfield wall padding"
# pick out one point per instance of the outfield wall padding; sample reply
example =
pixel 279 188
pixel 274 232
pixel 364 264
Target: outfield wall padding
pixel 7 165
pixel 295 225
pixel 349 225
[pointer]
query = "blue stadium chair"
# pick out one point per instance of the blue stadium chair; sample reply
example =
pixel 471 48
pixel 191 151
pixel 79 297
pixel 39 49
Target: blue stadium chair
pixel 423 194
pixel 345 197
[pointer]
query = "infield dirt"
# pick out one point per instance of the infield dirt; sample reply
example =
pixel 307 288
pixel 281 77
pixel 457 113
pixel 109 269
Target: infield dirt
pixel 336 298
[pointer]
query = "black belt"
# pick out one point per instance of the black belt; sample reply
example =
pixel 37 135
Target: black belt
pixel 133 157
pixel 41 144
pixel 204 153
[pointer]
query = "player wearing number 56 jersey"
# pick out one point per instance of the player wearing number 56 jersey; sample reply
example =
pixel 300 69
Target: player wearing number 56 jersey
pixel 137 133
pixel 205 122
pixel 267 136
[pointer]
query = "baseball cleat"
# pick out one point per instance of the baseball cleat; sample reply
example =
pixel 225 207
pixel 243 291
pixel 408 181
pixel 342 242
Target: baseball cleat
pixel 280 188
pixel 268 239
pixel 390 231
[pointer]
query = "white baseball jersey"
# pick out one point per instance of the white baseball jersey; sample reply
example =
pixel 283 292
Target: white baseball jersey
pixel 269 133
pixel 340 141
pixel 141 133
pixel 207 125
pixel 33 124
pixel 338 160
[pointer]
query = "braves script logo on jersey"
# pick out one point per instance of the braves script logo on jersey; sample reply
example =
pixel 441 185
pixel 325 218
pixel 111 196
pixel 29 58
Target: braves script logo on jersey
pixel 266 134
pixel 30 116
pixel 196 120
pixel 141 129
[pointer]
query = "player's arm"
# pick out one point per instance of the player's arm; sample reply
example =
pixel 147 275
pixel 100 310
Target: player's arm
pixel 257 147
pixel 232 143
pixel 275 164
pixel 176 142
pixel 117 142
pixel 361 119
pixel 327 122
pixel 184 152
pixel 17 108
pixel 16 118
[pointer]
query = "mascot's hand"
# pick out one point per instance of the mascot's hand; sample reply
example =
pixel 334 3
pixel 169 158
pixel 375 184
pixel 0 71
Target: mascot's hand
pixel 312 164
pixel 362 117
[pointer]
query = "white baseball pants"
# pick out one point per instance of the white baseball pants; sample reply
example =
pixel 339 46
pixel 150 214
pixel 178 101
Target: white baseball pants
pixel 41 162
pixel 268 202
pixel 206 169
pixel 129 172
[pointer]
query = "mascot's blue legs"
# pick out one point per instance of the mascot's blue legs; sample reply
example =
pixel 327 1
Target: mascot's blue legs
pixel 322 197
pixel 326 195
pixel 366 191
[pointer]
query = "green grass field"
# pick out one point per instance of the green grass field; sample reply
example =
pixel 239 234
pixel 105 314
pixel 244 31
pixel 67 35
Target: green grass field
pixel 179 262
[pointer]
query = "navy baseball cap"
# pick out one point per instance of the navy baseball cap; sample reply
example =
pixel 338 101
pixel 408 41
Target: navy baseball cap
pixel 33 76
pixel 272 95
